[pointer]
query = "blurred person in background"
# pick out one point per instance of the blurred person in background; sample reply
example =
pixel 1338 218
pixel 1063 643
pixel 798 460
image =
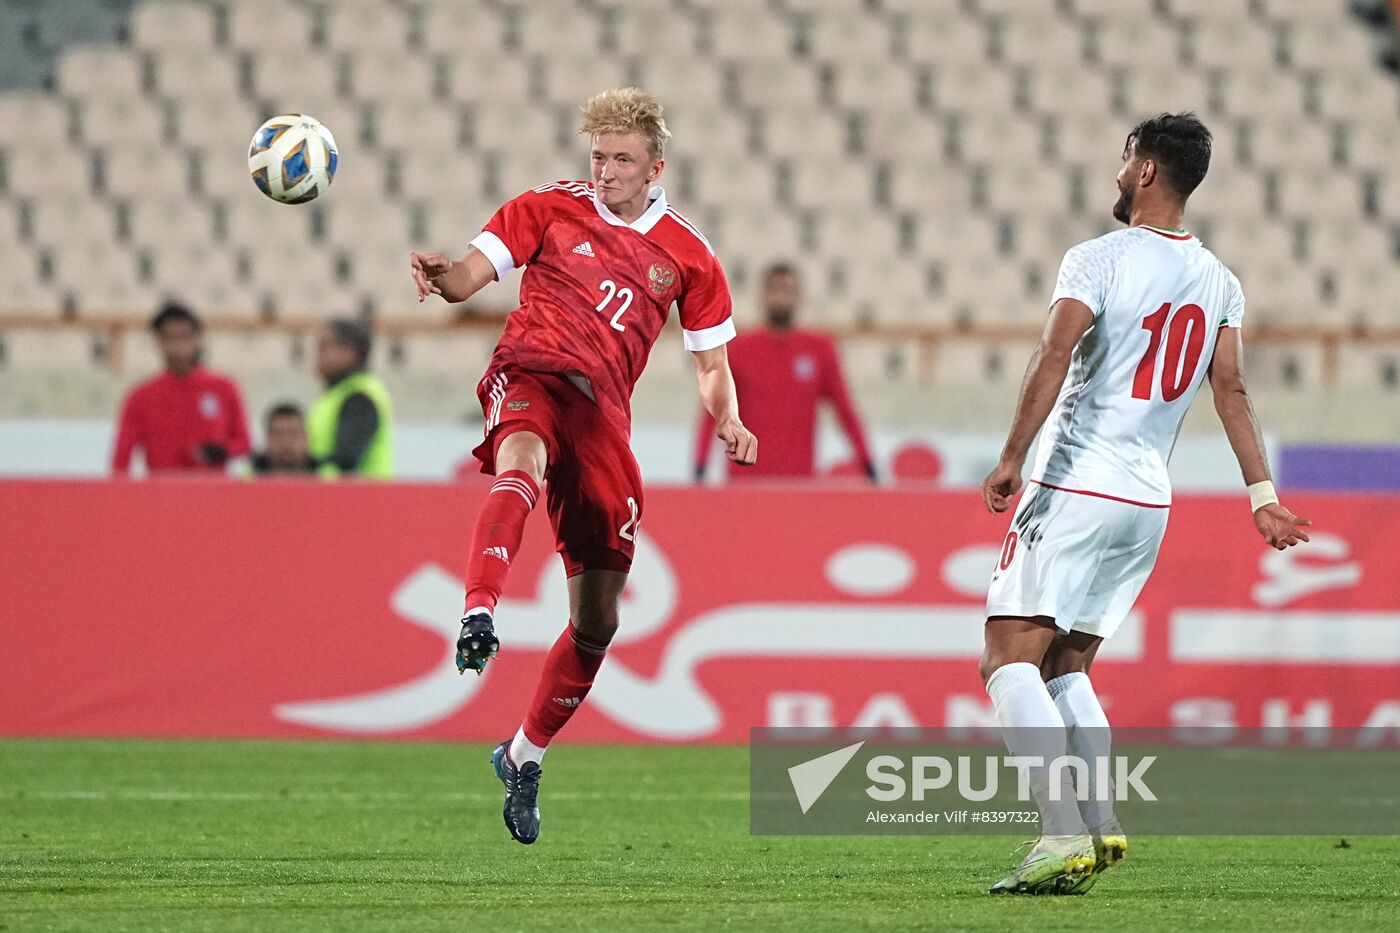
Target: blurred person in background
pixel 188 417
pixel 350 428
pixel 286 452
pixel 782 373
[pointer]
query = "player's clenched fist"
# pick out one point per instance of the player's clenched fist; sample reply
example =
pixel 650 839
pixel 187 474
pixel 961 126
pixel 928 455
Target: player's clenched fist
pixel 1280 527
pixel 739 443
pixel 426 267
pixel 1000 485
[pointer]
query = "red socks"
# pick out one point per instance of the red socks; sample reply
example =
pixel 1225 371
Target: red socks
pixel 496 540
pixel 568 674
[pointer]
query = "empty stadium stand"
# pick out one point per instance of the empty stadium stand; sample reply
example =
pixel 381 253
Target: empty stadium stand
pixel 925 161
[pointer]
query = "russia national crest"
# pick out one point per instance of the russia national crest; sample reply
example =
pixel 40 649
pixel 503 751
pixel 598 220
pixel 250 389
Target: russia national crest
pixel 661 277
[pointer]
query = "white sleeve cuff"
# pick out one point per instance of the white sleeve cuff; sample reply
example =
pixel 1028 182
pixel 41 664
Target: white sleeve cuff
pixel 493 249
pixel 710 337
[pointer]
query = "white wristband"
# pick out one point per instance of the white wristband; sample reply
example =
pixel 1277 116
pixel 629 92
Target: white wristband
pixel 1261 494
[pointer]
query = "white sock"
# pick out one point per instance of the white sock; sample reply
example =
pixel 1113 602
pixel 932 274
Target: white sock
pixel 1089 739
pixel 522 749
pixel 1031 726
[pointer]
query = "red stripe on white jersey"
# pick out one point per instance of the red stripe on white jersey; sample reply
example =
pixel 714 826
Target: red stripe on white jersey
pixel 1103 495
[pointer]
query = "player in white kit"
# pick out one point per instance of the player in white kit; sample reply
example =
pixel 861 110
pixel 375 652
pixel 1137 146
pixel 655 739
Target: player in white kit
pixel 1138 319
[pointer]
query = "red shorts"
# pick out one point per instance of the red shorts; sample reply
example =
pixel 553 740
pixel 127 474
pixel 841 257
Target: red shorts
pixel 593 484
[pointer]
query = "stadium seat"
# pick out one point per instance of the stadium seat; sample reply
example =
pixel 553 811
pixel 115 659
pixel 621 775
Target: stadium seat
pixel 154 221
pixel 572 79
pixel 101 71
pixel 973 89
pixel 217 289
pixel 830 183
pixel 1327 195
pixel 1095 142
pixel 976 139
pixel 73 21
pixel 1262 94
pixel 248 219
pixel 280 73
pixel 913 135
pixel 69 218
pixel 1372 146
pixel 743 32
pixel 1296 366
pixel 548 29
pixel 117 121
pixel 421 125
pixel 1149 93
pixel 887 289
pixel 366 27
pixel 942 39
pixel 950 236
pixel 1367 293
pixel 45 120
pixel 1233 239
pixel 1210 11
pixel 806 134
pixel 1133 44
pixel 926 189
pixel 1366 367
pixel 1333 44
pixel 1242 43
pixel 680 77
pixel 37 171
pixel 855 83
pixel 711 178
pixel 1302 144
pixel 346 222
pixel 431 177
pixel 704 129
pixel 1362 97
pixel 505 126
pixel 468 31
pixel 991 290
pixel 1278 290
pixel 836 232
pixel 132 171
pixel 846 36
pixel 1043 36
pixel 221 123
pixel 250 351
pixel 201 73
pixel 172 24
pixel 1038 188
pixel 48 351
pixel 752 229
pixel 777 82
pixel 450 226
pixel 1114 9
pixel 1338 243
pixel 269 26
pixel 392 77
pixel 1070 91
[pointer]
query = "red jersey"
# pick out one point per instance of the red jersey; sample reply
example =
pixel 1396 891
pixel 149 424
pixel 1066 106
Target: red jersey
pixel 170 417
pixel 780 377
pixel 596 291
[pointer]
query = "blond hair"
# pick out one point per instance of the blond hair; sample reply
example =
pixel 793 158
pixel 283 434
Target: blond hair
pixel 626 110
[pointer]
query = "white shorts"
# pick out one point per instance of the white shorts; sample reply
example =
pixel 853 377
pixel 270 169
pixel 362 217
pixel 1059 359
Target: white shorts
pixel 1080 559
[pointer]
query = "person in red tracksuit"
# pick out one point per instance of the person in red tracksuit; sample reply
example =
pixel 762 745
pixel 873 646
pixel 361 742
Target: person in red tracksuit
pixel 187 418
pixel 782 373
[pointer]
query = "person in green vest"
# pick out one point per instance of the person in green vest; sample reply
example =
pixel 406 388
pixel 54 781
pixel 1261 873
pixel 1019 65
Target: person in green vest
pixel 350 428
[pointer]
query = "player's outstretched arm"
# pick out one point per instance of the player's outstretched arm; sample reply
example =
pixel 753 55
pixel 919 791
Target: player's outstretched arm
pixel 1069 319
pixel 1280 527
pixel 721 401
pixel 435 274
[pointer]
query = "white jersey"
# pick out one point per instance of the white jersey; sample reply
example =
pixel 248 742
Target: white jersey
pixel 1159 299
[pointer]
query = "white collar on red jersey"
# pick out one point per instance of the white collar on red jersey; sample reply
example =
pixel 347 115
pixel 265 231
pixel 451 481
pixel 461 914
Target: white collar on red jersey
pixel 642 224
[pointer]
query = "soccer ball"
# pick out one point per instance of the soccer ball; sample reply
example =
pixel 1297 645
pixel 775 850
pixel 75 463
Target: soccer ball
pixel 292 158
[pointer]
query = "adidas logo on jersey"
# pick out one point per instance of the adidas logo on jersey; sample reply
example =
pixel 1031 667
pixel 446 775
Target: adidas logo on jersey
pixel 585 249
pixel 568 702
pixel 500 553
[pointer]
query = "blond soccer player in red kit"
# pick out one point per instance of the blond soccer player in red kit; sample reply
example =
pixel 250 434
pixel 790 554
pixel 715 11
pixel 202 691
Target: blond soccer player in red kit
pixel 604 262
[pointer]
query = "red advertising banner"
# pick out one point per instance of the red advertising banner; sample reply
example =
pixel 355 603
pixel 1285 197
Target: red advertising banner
pixel 289 609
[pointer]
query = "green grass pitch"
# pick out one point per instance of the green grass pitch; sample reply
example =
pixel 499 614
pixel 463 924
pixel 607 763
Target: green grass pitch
pixel 144 835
